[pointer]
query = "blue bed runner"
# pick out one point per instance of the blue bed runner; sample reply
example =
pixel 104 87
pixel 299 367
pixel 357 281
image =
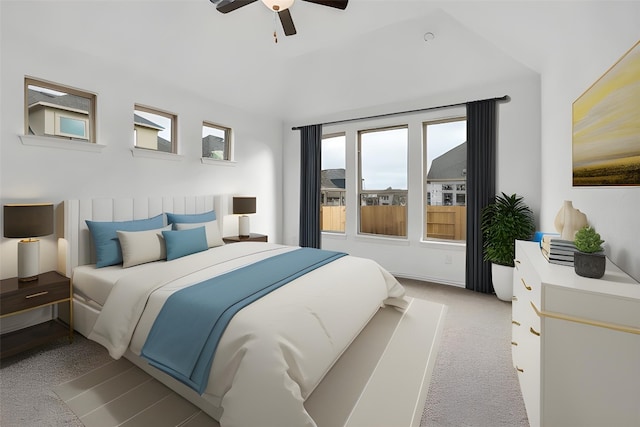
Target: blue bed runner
pixel 185 335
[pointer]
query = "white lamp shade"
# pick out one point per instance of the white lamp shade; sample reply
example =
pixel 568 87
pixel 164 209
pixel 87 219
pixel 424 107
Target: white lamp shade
pixel 28 260
pixel 278 5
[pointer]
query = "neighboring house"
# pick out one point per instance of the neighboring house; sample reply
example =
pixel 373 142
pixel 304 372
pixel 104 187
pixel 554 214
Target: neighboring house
pixel 58 115
pixel 332 187
pixel 146 135
pixel 213 147
pixel 447 178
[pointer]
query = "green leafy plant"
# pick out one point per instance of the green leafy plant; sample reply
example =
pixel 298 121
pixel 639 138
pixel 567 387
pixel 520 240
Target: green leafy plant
pixel 587 240
pixel 503 222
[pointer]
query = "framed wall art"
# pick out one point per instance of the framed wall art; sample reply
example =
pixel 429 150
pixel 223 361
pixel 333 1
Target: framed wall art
pixel 606 127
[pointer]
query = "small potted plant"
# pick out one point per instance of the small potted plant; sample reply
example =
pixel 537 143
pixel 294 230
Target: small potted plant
pixel 589 259
pixel 503 222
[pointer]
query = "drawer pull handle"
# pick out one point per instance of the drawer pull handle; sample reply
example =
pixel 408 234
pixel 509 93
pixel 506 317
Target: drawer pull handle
pixel 515 322
pixel 525 285
pixel 514 343
pixel 514 298
pixel 39 294
pixel 534 332
pixel 519 369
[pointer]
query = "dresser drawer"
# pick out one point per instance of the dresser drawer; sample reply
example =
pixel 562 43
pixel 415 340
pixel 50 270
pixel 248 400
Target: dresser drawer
pixel 30 297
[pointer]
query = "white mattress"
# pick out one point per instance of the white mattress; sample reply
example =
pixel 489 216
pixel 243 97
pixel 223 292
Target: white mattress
pixel 95 284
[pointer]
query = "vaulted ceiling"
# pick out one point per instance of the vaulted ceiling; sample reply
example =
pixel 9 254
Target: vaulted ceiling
pixel 372 53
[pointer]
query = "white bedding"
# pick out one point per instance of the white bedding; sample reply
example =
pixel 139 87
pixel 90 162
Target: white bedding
pixel 275 351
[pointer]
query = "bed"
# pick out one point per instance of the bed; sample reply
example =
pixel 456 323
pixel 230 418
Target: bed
pixel 275 352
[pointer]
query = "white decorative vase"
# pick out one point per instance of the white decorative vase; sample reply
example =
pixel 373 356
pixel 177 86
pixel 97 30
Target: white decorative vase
pixel 502 279
pixel 569 220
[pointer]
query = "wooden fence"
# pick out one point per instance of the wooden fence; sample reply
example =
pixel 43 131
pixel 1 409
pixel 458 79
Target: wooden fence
pixel 443 222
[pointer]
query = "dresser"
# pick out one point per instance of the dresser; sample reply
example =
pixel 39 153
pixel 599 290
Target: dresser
pixel 575 343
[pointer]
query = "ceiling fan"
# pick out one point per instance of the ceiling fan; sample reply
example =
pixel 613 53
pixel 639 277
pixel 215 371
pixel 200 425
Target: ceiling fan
pixel 281 7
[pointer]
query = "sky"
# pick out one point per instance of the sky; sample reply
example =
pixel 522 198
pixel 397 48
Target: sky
pixel 385 155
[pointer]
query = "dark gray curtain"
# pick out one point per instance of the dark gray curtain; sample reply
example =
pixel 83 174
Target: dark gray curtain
pixel 310 167
pixel 481 187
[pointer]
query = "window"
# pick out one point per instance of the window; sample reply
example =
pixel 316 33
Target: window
pixel 154 129
pixel 446 179
pixel 332 186
pixel 383 181
pixel 216 142
pixel 60 111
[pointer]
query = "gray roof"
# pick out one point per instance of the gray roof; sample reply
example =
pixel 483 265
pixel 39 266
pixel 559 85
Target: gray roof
pixel 451 166
pixel 69 101
pixel 332 178
pixel 212 143
pixel 142 121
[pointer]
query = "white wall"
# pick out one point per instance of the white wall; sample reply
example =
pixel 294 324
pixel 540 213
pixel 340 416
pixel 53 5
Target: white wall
pixel 613 211
pixel 518 171
pixel 33 173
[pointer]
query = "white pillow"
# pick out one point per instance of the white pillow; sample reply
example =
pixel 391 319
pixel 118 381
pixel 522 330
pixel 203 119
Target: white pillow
pixel 139 247
pixel 211 228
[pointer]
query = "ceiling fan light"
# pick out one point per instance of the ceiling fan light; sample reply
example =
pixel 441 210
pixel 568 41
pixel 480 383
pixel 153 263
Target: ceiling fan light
pixel 278 5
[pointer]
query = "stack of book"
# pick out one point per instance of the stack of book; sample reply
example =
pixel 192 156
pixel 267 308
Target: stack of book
pixel 558 251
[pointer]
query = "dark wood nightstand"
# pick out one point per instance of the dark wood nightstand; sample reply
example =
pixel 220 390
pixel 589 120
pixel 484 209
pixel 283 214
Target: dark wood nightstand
pixel 253 237
pixel 18 297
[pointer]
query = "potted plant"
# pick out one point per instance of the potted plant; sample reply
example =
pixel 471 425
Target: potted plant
pixel 589 259
pixel 503 222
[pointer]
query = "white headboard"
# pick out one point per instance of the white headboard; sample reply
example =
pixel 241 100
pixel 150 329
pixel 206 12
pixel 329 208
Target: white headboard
pixel 79 250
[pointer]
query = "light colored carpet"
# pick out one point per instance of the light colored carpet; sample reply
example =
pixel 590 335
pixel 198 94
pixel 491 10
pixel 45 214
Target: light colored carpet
pixel 473 384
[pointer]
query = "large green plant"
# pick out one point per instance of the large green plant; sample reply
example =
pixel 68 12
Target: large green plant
pixel 503 222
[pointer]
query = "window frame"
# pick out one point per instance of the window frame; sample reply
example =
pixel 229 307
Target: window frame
pixel 344 198
pixel 90 121
pixel 228 137
pixel 425 193
pixel 173 117
pixel 359 134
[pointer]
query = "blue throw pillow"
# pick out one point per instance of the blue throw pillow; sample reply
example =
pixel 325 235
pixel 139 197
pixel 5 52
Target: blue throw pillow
pixel 105 237
pixel 190 218
pixel 185 242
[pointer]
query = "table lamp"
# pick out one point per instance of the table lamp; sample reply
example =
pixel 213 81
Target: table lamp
pixel 26 221
pixel 243 206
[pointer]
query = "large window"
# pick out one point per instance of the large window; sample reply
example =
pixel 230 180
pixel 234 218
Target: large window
pixel 332 186
pixel 383 181
pixel 216 142
pixel 60 111
pixel 446 179
pixel 154 129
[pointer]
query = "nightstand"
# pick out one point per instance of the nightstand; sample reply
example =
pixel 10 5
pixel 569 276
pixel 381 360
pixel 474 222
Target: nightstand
pixel 18 297
pixel 253 237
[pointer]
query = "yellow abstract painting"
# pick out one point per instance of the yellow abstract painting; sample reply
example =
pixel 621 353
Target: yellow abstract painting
pixel 606 127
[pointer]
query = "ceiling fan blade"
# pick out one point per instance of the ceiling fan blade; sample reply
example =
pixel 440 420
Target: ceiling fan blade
pixel 338 4
pixel 226 6
pixel 287 22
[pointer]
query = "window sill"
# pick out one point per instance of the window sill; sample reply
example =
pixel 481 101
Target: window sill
pixel 334 235
pixel 153 154
pixel 65 144
pixel 399 241
pixel 444 244
pixel 208 161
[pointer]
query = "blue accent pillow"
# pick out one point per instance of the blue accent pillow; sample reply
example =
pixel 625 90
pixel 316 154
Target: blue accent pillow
pixel 185 242
pixel 105 237
pixel 190 218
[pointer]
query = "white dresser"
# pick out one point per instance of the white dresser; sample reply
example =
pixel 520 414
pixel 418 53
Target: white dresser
pixel 575 343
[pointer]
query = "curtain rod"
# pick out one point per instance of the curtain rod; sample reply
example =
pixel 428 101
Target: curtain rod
pixel 502 98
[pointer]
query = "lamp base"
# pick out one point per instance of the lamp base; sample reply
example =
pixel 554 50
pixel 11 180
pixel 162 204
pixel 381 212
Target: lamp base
pixel 28 260
pixel 243 226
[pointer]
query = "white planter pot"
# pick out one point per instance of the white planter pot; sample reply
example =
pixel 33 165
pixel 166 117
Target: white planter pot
pixel 502 281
